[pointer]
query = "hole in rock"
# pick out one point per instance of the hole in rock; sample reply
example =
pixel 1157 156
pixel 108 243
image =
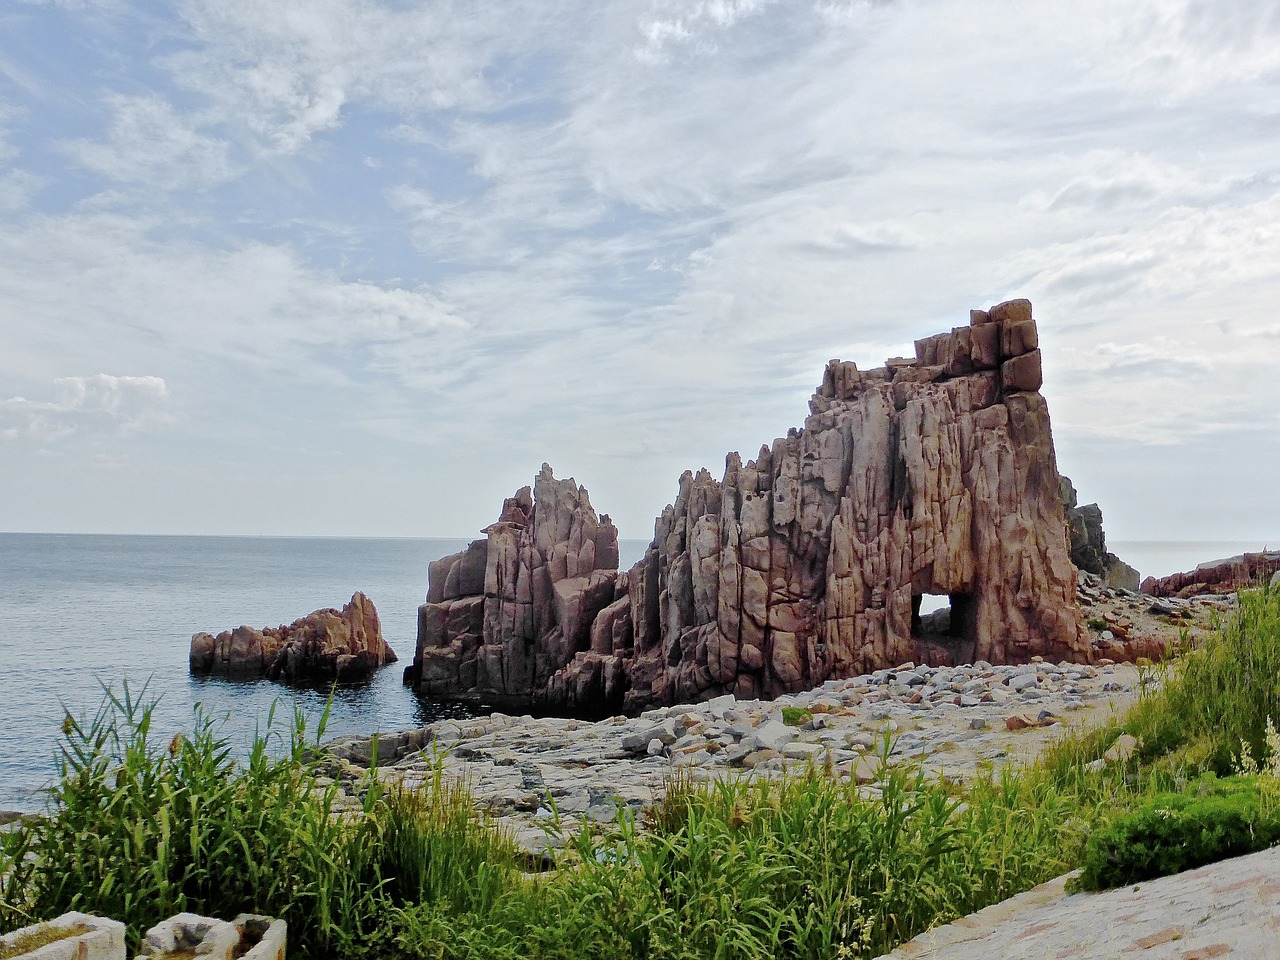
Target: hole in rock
pixel 940 616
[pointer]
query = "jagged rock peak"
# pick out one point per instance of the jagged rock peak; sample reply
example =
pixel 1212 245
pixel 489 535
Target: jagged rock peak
pixel 929 476
pixel 1089 542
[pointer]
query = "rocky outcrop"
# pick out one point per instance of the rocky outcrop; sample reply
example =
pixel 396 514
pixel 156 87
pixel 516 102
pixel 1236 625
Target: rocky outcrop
pixel 504 616
pixel 344 645
pixel 1217 576
pixel 933 475
pixel 1089 543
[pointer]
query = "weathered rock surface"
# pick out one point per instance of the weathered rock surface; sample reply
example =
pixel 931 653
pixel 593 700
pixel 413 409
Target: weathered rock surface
pixel 504 616
pixel 928 476
pixel 344 645
pixel 1217 576
pixel 1089 543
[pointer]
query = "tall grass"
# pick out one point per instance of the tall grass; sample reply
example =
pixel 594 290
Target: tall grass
pixel 803 867
pixel 1217 695
pixel 139 830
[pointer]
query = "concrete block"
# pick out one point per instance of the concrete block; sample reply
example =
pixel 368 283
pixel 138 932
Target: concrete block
pixel 103 939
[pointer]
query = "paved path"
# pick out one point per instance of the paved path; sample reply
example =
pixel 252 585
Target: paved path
pixel 1227 909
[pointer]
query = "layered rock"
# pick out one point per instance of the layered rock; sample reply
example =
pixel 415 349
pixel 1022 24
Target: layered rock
pixel 1217 576
pixel 505 615
pixel 327 645
pixel 1089 542
pixel 933 475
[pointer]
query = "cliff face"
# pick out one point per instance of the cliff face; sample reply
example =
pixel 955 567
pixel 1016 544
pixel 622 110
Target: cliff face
pixel 504 615
pixel 928 476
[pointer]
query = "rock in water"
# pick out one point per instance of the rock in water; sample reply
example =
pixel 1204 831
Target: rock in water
pixel 930 475
pixel 344 645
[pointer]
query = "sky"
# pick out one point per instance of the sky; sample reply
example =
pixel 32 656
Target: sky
pixel 358 267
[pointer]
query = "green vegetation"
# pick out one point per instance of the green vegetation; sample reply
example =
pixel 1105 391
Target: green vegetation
pixel 1172 832
pixel 796 716
pixel 140 831
pixel 41 936
pixel 807 867
pixel 1220 694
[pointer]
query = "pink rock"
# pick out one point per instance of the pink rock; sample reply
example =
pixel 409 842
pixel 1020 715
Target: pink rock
pixel 344 645
pixel 932 475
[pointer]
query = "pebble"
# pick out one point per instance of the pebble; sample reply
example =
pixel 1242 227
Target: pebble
pixel 531 774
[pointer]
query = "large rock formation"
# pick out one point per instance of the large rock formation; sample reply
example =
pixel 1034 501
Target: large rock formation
pixel 1089 542
pixel 505 615
pixel 344 645
pixel 927 476
pixel 1217 576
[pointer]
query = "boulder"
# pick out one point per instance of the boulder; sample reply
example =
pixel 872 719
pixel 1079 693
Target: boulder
pixel 324 646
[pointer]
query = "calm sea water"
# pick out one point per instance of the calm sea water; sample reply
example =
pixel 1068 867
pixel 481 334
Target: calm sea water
pixel 78 612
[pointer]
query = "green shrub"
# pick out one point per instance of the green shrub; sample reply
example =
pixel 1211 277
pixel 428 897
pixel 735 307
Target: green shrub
pixel 1172 832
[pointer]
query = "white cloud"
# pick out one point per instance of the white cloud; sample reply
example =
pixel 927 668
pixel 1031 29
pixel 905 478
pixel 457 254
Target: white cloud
pixel 639 228
pixel 290 68
pixel 150 144
pixel 680 22
pixel 97 404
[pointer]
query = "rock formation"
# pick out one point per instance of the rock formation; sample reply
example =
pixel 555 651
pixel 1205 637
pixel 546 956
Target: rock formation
pixel 928 476
pixel 344 645
pixel 505 615
pixel 1217 576
pixel 1089 543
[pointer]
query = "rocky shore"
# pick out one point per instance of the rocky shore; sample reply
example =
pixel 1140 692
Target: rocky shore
pixel 534 773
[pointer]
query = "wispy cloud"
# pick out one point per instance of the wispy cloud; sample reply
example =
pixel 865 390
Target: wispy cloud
pixel 626 236
pixel 97 404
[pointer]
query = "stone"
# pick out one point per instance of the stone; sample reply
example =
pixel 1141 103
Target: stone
pixel 102 939
pixel 757 757
pixel 773 735
pixel 1023 682
pixel 327 645
pixel 1218 576
pixel 803 751
pixel 1120 751
pixel 247 937
pixel 932 475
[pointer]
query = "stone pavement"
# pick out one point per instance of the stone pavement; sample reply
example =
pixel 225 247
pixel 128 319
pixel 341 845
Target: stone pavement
pixel 1228 909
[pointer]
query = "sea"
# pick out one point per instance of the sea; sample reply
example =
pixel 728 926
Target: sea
pixel 81 616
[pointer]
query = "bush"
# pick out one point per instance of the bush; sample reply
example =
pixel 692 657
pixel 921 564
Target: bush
pixel 1216 696
pixel 1172 832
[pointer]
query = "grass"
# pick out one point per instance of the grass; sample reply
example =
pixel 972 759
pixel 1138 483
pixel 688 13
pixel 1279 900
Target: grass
pixel 804 867
pixel 139 831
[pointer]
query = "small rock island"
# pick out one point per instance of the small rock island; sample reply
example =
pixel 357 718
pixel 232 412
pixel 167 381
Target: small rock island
pixel 327 645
